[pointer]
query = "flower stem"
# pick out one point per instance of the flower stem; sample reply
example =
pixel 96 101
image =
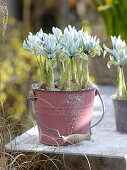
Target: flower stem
pixel 62 77
pixel 85 75
pixel 42 70
pixel 79 73
pixel 67 75
pixel 73 70
pixel 50 79
pixel 121 94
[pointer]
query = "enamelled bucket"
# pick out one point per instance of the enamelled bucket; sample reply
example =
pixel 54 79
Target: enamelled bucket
pixel 120 111
pixel 62 113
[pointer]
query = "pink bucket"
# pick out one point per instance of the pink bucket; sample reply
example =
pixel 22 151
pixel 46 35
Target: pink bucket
pixel 69 112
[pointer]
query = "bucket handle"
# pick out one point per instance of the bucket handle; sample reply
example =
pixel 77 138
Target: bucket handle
pixel 103 109
pixel 74 138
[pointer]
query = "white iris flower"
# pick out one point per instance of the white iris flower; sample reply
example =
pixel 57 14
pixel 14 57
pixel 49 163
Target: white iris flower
pixel 57 33
pixel 50 46
pixel 89 44
pixel 32 43
pixel 118 52
pixel 69 42
pixel 40 34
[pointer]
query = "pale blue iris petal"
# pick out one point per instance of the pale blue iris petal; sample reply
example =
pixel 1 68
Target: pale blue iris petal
pixel 57 32
pixel 89 44
pixel 119 51
pixel 32 43
pixel 40 34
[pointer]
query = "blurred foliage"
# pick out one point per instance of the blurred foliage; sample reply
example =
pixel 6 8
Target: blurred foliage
pixel 86 26
pixel 114 14
pixel 19 69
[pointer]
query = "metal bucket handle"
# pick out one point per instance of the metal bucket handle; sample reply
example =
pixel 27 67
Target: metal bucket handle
pixel 103 108
pixel 74 138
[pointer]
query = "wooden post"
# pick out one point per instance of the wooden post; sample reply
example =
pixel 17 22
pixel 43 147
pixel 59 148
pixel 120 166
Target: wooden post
pixel 3 24
pixel 26 16
pixel 64 13
pixel 39 8
pixel 3 158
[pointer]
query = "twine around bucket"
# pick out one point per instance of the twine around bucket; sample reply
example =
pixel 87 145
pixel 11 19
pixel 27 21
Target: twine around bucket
pixel 73 138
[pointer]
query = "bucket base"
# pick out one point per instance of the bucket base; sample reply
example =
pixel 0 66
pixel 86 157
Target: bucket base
pixel 57 144
pixel 54 142
pixel 120 111
pixel 64 140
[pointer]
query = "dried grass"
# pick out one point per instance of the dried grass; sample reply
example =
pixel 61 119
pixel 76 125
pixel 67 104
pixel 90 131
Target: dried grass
pixel 32 159
pixel 3 17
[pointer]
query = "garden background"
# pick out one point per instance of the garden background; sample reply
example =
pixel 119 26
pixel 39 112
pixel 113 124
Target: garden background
pixel 19 69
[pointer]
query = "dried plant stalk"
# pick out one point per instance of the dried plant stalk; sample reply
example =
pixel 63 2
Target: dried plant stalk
pixel 3 17
pixel 3 25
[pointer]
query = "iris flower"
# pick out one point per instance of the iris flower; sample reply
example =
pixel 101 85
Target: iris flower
pixel 89 44
pixel 32 44
pixel 118 52
pixel 70 43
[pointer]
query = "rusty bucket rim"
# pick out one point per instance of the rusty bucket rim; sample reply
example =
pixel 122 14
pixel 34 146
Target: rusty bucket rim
pixel 72 91
pixel 114 98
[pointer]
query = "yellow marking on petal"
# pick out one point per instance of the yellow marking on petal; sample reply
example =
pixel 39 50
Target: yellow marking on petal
pixel 35 49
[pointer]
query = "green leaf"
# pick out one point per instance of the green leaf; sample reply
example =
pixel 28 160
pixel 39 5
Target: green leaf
pixel 84 56
pixel 63 57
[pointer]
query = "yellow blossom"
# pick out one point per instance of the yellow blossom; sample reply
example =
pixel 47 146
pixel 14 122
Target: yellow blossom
pixel 108 1
pixel 103 7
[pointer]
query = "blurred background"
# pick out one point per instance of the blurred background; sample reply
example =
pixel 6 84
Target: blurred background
pixel 19 69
